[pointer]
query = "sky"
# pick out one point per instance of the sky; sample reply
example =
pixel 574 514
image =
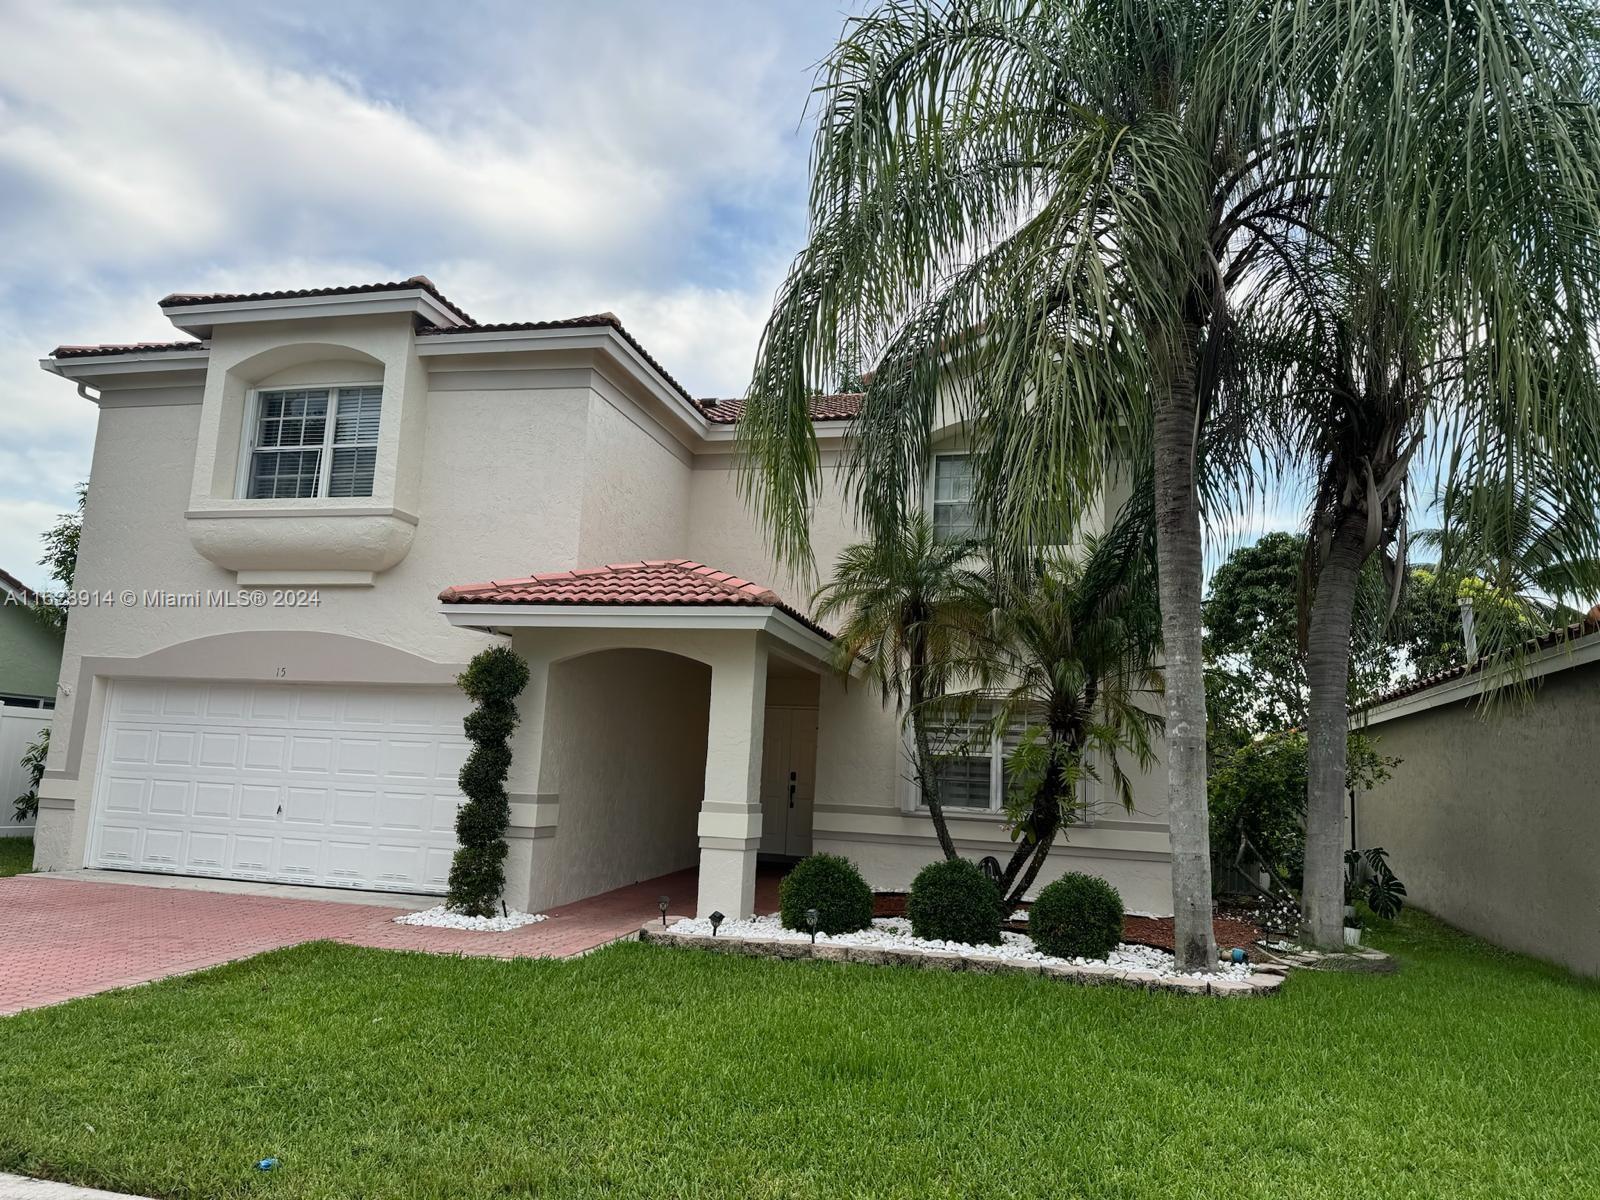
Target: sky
pixel 535 160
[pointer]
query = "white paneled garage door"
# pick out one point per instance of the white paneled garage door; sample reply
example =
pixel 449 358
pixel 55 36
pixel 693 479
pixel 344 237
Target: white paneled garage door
pixel 342 786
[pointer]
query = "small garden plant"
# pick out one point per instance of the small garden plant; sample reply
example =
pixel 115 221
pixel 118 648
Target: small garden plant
pixel 834 887
pixel 493 679
pixel 1077 916
pixel 954 901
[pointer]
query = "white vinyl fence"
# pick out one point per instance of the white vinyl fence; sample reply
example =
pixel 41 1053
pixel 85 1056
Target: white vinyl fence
pixel 18 728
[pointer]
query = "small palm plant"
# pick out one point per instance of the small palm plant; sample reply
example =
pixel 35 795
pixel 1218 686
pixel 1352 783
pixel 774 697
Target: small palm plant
pixel 1079 636
pixel 913 609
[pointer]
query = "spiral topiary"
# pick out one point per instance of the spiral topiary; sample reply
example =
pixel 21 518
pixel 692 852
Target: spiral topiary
pixel 952 900
pixel 1077 916
pixel 834 887
pixel 493 679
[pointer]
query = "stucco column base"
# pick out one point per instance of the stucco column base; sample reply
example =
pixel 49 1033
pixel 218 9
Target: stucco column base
pixel 727 877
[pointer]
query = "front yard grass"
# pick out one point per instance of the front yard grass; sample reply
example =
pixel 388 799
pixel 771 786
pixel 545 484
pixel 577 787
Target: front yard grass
pixel 16 855
pixel 644 1072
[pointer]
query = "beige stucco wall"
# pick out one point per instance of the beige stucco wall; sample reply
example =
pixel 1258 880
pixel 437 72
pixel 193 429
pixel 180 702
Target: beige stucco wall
pixel 626 739
pixel 1493 823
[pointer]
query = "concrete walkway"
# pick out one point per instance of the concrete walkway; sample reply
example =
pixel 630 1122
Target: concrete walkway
pixel 16 1187
pixel 67 936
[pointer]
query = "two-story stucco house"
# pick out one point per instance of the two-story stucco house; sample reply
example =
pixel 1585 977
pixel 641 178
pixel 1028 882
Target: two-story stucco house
pixel 302 525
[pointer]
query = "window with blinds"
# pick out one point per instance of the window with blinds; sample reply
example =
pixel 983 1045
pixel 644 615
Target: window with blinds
pixel 298 452
pixel 971 764
pixel 952 496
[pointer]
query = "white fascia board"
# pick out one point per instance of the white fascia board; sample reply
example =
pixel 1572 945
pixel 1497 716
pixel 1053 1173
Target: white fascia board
pixel 92 366
pixel 1454 691
pixel 576 337
pixel 494 618
pixel 723 436
pixel 199 319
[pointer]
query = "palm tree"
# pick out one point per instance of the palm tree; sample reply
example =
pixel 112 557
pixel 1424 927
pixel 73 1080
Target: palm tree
pixel 914 614
pixel 1079 638
pixel 1069 227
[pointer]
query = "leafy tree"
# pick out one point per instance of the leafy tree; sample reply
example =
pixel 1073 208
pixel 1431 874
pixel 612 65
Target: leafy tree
pixel 26 806
pixel 61 556
pixel 1089 231
pixel 913 611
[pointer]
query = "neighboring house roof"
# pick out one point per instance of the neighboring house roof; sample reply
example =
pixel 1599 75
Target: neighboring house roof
pixel 416 282
pixel 841 406
pixel 11 584
pixel 1545 641
pixel 670 581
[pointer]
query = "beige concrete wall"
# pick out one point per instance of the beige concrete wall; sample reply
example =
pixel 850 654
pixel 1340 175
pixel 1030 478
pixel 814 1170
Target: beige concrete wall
pixel 1494 824
pixel 625 750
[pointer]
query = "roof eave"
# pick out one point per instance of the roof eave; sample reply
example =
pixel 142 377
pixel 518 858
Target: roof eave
pixel 199 319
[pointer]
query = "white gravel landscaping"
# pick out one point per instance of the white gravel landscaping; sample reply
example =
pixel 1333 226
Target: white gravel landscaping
pixel 440 917
pixel 894 933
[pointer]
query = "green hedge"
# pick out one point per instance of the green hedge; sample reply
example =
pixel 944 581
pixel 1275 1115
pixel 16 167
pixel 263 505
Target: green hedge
pixel 834 887
pixel 1077 916
pixel 952 900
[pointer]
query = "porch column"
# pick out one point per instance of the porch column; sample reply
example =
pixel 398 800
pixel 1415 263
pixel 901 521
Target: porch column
pixel 530 837
pixel 730 811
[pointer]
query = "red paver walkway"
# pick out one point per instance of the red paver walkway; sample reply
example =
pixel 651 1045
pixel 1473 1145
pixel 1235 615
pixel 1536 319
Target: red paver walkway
pixel 66 938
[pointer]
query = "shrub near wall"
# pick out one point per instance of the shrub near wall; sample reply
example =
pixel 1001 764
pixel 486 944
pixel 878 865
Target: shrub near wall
pixel 1077 916
pixel 952 900
pixel 834 887
pixel 494 679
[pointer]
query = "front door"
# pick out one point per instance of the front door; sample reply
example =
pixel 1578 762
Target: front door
pixel 788 780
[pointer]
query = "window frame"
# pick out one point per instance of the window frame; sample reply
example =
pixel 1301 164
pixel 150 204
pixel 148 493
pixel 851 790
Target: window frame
pixel 1085 806
pixel 251 431
pixel 934 502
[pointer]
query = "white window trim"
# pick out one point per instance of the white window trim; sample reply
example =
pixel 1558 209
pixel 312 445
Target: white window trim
pixel 911 794
pixel 933 480
pixel 252 430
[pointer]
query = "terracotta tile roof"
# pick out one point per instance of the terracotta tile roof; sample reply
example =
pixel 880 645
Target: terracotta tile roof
pixel 841 406
pixel 592 321
pixel 1545 641
pixel 422 282
pixel 665 581
pixel 124 348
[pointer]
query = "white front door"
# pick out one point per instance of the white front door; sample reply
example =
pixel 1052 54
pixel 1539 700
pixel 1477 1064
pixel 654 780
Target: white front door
pixel 788 780
pixel 342 786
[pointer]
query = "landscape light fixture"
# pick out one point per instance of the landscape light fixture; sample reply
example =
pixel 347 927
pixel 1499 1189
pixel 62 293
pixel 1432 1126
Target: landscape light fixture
pixel 716 919
pixel 811 920
pixel 662 905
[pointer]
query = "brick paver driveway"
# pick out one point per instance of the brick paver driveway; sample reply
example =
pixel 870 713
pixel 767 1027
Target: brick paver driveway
pixel 65 938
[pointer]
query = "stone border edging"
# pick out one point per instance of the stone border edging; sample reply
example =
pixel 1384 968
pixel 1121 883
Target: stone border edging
pixel 1266 980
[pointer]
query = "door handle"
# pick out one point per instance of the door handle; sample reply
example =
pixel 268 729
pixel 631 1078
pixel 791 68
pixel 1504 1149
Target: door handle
pixel 791 789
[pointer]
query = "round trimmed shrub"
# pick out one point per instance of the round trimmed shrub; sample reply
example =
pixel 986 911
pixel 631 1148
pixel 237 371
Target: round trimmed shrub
pixel 952 900
pixel 834 887
pixel 1077 916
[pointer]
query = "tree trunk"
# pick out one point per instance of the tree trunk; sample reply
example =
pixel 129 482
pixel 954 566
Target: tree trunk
pixel 927 784
pixel 1179 567
pixel 1040 853
pixel 1327 734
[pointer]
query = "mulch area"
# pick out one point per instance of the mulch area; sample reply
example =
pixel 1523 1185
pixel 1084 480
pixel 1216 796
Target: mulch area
pixel 1139 931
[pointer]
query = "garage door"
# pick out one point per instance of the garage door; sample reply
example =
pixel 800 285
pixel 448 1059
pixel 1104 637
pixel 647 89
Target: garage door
pixel 348 787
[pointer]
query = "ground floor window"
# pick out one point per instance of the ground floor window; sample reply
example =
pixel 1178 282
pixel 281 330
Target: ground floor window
pixel 970 758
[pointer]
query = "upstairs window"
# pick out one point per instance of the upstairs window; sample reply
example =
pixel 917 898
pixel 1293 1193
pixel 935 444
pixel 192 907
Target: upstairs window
pixel 297 451
pixel 952 496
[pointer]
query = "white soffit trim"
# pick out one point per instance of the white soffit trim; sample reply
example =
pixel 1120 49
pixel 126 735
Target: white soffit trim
pixel 494 618
pixel 1577 653
pixel 93 366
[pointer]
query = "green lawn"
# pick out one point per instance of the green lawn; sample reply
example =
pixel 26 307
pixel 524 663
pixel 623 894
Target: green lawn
pixel 643 1072
pixel 16 856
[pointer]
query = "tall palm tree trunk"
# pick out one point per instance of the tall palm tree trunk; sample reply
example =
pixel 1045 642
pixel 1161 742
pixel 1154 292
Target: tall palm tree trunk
pixel 1327 730
pixel 1179 568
